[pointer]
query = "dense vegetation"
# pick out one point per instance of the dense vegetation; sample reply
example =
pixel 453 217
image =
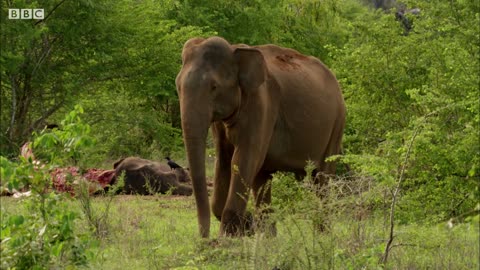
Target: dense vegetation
pixel 412 94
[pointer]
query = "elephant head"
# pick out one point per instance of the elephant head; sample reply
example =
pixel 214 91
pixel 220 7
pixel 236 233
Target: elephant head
pixel 183 175
pixel 209 88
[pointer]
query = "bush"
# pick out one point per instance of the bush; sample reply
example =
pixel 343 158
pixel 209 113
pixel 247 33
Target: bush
pixel 422 85
pixel 46 236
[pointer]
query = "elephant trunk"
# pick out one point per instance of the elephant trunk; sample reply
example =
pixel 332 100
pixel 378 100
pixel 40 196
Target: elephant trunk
pixel 195 134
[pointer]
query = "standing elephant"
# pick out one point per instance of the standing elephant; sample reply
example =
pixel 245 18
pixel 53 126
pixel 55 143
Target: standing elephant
pixel 269 108
pixel 146 177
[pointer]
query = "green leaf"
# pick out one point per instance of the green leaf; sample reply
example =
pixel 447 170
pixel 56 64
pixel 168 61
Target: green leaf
pixel 57 249
pixel 17 220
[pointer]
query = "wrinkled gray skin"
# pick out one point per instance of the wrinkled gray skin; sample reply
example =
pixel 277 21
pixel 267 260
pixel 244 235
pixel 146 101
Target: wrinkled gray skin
pixel 270 109
pixel 146 177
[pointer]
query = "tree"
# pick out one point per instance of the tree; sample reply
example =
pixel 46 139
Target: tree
pixel 139 111
pixel 45 63
pixel 425 83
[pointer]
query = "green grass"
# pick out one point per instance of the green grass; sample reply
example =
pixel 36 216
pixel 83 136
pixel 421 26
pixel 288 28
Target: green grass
pixel 160 232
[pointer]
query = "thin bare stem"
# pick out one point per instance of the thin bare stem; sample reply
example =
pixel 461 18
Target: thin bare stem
pixel 395 196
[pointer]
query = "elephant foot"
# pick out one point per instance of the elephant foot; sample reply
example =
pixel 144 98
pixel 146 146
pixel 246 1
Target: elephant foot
pixel 233 224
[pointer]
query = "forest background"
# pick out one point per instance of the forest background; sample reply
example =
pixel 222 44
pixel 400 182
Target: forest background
pixel 412 91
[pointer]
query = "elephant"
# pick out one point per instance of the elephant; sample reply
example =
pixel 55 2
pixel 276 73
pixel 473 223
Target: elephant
pixel 146 177
pixel 269 109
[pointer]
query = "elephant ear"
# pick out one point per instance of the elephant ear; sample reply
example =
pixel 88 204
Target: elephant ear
pixel 115 165
pixel 251 68
pixel 188 45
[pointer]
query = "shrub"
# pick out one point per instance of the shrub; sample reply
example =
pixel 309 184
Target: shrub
pixel 45 237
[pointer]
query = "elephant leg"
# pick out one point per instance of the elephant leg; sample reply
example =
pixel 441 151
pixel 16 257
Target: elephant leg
pixel 321 176
pixel 221 184
pixel 245 166
pixel 262 192
pixel 326 170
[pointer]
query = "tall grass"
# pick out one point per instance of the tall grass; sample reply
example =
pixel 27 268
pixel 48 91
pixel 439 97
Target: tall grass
pixel 160 232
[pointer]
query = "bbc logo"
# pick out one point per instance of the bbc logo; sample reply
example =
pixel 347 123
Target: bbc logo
pixel 26 14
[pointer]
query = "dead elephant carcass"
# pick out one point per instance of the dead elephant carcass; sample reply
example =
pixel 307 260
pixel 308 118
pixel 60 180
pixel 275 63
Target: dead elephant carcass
pixel 146 177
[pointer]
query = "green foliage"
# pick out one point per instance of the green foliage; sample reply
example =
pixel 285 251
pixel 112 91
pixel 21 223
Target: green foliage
pixel 45 236
pixel 119 60
pixel 290 195
pixel 46 64
pixel 66 144
pixel 133 107
pixel 312 27
pixel 98 218
pixel 158 232
pixel 425 82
